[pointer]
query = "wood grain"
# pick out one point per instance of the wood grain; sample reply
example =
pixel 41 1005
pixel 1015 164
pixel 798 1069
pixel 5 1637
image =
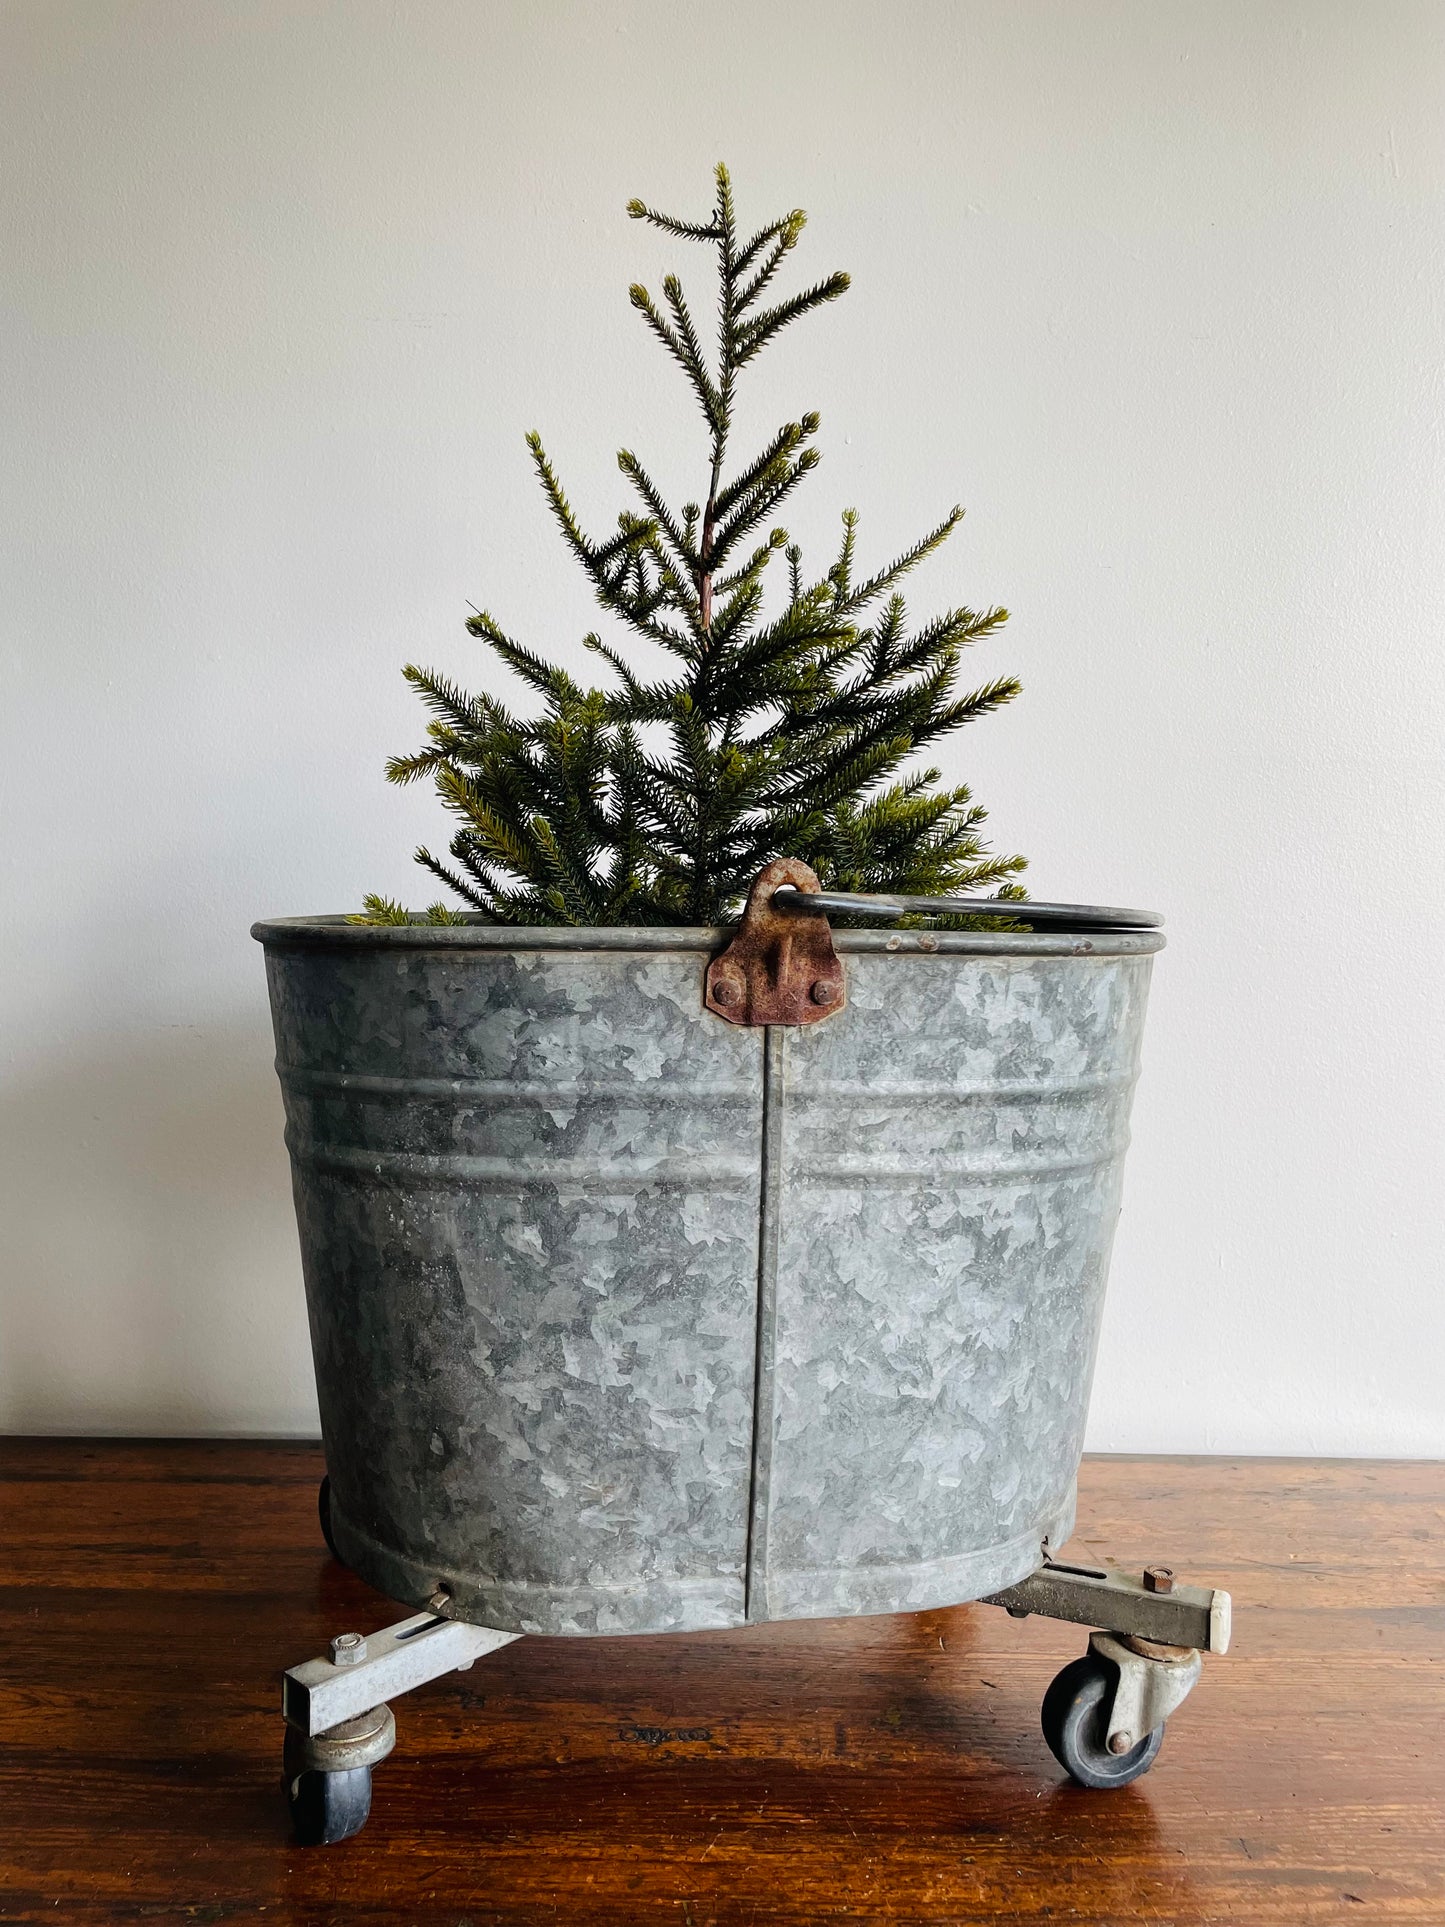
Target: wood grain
pixel 883 1770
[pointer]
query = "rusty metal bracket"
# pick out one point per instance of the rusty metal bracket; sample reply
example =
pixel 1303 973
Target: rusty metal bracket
pixel 778 969
pixel 1168 1614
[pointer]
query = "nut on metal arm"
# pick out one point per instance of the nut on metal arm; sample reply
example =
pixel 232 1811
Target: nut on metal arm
pixel 778 969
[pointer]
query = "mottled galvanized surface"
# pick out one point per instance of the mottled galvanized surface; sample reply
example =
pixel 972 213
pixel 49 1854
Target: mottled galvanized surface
pixel 559 1368
pixel 527 1189
pixel 947 1170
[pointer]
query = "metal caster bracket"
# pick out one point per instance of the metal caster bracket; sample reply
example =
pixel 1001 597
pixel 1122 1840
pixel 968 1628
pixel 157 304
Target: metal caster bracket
pixel 1151 1607
pixel 338 1722
pixel 362 1672
pixel 1154 1681
pixel 1104 1715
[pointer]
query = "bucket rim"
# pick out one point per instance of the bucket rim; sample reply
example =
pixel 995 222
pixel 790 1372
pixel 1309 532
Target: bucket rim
pixel 336 931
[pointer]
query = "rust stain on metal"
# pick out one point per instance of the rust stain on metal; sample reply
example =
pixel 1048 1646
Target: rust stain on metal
pixel 1157 1649
pixel 780 968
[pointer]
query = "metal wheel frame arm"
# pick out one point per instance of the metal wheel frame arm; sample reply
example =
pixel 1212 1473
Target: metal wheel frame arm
pixel 1152 1607
pixel 1153 1632
pixel 363 1673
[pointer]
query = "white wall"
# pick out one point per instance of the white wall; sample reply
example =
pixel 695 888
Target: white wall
pixel 1155 287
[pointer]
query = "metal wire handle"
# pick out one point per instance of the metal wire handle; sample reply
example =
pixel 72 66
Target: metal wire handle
pixel 1046 916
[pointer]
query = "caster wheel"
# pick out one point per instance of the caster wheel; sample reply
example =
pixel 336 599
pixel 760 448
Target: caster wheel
pixel 323 1513
pixel 1075 1720
pixel 325 1807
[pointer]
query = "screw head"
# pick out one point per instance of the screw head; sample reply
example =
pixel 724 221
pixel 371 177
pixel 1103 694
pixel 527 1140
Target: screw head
pixel 724 990
pixel 1120 1742
pixel 347 1649
pixel 824 992
pixel 1158 1579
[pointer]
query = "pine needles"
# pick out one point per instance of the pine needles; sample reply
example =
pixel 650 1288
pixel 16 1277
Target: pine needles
pixel 782 734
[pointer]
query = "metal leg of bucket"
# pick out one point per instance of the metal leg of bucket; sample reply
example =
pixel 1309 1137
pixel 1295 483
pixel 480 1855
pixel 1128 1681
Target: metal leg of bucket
pixel 1104 1714
pixel 338 1725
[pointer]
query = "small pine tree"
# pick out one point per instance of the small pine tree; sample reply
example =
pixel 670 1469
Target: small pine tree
pixel 784 733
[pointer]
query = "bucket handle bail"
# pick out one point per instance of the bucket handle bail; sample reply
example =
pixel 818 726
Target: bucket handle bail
pixel 778 969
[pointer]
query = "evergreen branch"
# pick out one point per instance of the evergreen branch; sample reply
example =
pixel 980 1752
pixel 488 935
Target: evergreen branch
pixel 975 625
pixel 745 256
pixel 687 355
pixel 868 591
pixel 723 219
pixel 687 335
pixel 386 910
pixel 953 631
pixel 402 770
pixel 755 564
pixel 452 704
pixel 608 566
pixel 544 676
pixel 594 560
pixel 788 233
pixel 790 436
pixel 734 617
pixel 981 702
pixel 557 500
pixel 850 769
pixel 755 334
pixel 488 828
pixel 657 507
pixel 757 507
pixel 631 687
pixel 569 882
pixel 841 573
pixel 380 909
pixel 453 882
pixel 669 223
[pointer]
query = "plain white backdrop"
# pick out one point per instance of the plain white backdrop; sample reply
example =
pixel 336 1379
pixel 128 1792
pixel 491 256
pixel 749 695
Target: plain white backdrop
pixel 1155 287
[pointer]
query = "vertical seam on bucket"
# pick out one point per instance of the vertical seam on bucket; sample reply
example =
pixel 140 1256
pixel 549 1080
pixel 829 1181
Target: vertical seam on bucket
pixel 769 1199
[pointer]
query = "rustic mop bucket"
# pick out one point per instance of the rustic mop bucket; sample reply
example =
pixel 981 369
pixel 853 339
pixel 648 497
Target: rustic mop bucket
pixel 627 1318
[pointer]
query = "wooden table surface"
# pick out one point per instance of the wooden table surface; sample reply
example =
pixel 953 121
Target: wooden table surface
pixel 868 1769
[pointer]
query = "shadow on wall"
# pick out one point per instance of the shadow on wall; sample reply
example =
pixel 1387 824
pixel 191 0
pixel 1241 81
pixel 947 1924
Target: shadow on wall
pixel 151 1282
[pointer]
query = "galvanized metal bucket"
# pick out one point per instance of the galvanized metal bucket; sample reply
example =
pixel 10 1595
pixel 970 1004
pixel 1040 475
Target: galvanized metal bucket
pixel 628 1319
